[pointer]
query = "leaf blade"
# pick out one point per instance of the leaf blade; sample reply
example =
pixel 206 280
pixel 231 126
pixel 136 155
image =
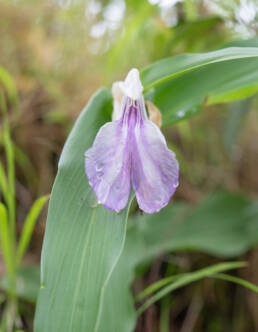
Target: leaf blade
pixel 79 253
pixel 29 225
pixel 170 68
pixel 236 280
pixel 6 245
pixel 222 76
pixel 189 278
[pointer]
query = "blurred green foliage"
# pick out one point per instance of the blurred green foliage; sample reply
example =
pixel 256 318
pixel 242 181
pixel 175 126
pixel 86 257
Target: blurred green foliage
pixel 54 54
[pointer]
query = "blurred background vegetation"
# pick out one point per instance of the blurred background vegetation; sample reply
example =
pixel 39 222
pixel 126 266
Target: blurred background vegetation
pixel 55 53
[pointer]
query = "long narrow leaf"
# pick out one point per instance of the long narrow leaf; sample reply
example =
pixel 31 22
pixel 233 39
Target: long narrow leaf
pixel 170 68
pixel 11 180
pixel 3 182
pixel 222 76
pixel 236 280
pixel 6 242
pixel 29 225
pixel 168 280
pixel 156 286
pixel 9 151
pixel 83 240
pixel 26 166
pixel 189 278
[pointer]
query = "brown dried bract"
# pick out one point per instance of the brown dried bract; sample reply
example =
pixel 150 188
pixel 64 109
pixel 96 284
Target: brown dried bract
pixel 154 113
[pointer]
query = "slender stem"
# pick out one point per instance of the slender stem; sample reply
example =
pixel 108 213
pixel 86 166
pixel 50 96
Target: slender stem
pixel 11 314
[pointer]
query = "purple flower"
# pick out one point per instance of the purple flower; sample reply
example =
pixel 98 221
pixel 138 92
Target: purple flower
pixel 130 152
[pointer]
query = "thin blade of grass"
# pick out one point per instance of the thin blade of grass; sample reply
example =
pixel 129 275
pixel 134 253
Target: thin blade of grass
pixel 6 244
pixel 189 278
pixel 29 225
pixel 26 166
pixel 9 150
pixel 156 286
pixel 3 182
pixel 165 281
pixel 236 280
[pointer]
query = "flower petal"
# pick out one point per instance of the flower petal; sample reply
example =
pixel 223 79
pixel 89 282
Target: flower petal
pixel 106 165
pixel 155 170
pixel 132 86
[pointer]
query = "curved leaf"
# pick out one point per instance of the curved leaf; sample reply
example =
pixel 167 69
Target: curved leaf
pixel 29 225
pixel 83 241
pixel 189 278
pixel 7 250
pixel 170 68
pixel 180 84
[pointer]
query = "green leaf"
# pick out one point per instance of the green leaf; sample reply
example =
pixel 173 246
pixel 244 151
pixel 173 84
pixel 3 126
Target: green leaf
pixel 9 151
pixel 27 283
pixel 252 42
pixel 83 240
pixel 26 166
pixel 29 225
pixel 189 278
pixel 221 218
pixel 236 280
pixel 219 225
pixel 6 244
pixel 241 93
pixel 170 68
pixel 9 85
pixel 156 286
pixel 181 83
pixel 168 280
pixel 3 182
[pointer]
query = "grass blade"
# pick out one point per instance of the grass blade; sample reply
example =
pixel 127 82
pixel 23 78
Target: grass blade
pixel 236 280
pixel 8 145
pixel 6 245
pixel 3 182
pixel 29 225
pixel 156 286
pixel 189 278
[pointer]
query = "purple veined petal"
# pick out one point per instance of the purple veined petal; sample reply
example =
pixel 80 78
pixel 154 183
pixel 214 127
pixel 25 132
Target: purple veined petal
pixel 106 165
pixel 155 170
pixel 131 150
